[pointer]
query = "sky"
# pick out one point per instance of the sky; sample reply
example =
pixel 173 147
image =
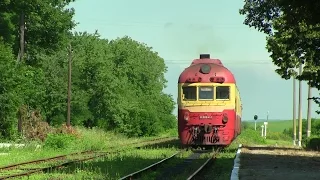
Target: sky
pixel 181 30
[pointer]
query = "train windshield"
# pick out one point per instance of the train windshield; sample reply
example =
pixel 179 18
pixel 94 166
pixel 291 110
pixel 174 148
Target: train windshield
pixel 206 93
pixel 222 92
pixel 190 93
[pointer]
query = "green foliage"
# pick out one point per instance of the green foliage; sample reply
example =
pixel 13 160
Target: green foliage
pixel 246 125
pixel 250 136
pixel 116 84
pixel 313 142
pixel 278 136
pixel 9 97
pixel 293 35
pixel 120 85
pixel 59 141
pixel 47 24
pixel 315 128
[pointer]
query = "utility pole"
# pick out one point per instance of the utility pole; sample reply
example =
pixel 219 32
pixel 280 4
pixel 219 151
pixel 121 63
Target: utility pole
pixel 22 29
pixel 300 105
pixel 20 58
pixel 294 112
pixel 309 111
pixel 69 85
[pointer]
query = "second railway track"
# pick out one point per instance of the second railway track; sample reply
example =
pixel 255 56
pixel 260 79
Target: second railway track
pixel 45 164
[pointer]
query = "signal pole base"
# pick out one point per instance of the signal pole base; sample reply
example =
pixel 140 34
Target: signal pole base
pixel 299 142
pixel 308 133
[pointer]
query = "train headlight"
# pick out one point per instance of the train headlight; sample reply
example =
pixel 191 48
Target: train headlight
pixel 186 116
pixel 205 69
pixel 225 118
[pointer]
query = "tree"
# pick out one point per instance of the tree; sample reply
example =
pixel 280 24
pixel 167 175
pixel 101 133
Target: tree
pixel 116 85
pixel 9 98
pixel 47 24
pixel 260 14
pixel 293 35
pixel 122 81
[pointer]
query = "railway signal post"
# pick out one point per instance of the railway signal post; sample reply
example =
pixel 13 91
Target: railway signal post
pixel 265 129
pixel 255 122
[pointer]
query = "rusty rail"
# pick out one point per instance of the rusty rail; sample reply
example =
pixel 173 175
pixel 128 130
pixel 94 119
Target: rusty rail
pixel 29 171
pixel 205 164
pixel 12 166
pixel 139 172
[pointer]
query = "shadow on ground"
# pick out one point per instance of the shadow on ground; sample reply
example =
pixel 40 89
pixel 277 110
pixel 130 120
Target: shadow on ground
pixel 278 163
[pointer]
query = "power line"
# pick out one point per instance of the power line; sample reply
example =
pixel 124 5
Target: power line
pixel 223 62
pixel 229 60
pixel 164 24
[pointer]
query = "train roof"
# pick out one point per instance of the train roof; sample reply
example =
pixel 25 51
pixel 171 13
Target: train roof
pixel 212 68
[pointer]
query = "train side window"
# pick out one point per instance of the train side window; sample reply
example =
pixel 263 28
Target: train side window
pixel 223 92
pixel 206 93
pixel 190 93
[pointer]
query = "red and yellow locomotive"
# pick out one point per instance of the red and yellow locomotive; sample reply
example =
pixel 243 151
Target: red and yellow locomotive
pixel 209 104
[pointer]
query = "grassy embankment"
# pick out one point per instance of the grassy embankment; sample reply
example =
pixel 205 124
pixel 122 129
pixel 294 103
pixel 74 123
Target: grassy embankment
pixel 118 165
pixel 58 144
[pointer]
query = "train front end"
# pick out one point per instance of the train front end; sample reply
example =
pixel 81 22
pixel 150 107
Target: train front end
pixel 209 107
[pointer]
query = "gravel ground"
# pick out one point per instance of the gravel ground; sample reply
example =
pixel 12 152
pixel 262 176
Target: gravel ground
pixel 273 163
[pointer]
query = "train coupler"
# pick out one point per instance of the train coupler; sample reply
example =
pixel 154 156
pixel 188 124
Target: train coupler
pixel 215 131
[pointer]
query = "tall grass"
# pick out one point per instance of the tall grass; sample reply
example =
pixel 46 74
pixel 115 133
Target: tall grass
pixel 57 144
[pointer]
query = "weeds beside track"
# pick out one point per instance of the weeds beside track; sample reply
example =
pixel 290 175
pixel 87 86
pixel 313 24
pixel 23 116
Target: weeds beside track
pixel 43 165
pixel 174 167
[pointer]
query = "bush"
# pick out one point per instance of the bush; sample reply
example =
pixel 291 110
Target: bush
pixel 250 136
pixel 315 129
pixel 33 126
pixel 277 136
pixel 59 141
pixel 313 143
pixel 246 125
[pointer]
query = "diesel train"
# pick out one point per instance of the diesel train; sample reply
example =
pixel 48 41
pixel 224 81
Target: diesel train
pixel 209 104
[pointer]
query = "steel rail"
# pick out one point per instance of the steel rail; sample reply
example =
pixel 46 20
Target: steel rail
pixel 139 172
pixel 211 159
pixel 12 166
pixel 56 158
pixel 71 154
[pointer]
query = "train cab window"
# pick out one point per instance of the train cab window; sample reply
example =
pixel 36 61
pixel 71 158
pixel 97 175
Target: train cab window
pixel 222 92
pixel 190 93
pixel 206 93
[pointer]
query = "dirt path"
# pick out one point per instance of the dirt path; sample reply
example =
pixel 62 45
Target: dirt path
pixel 278 163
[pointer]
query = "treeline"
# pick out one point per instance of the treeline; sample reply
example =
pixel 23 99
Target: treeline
pixel 116 84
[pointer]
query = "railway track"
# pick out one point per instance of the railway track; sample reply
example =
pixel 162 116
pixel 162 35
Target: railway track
pixel 210 160
pixel 139 172
pixel 179 168
pixel 46 164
